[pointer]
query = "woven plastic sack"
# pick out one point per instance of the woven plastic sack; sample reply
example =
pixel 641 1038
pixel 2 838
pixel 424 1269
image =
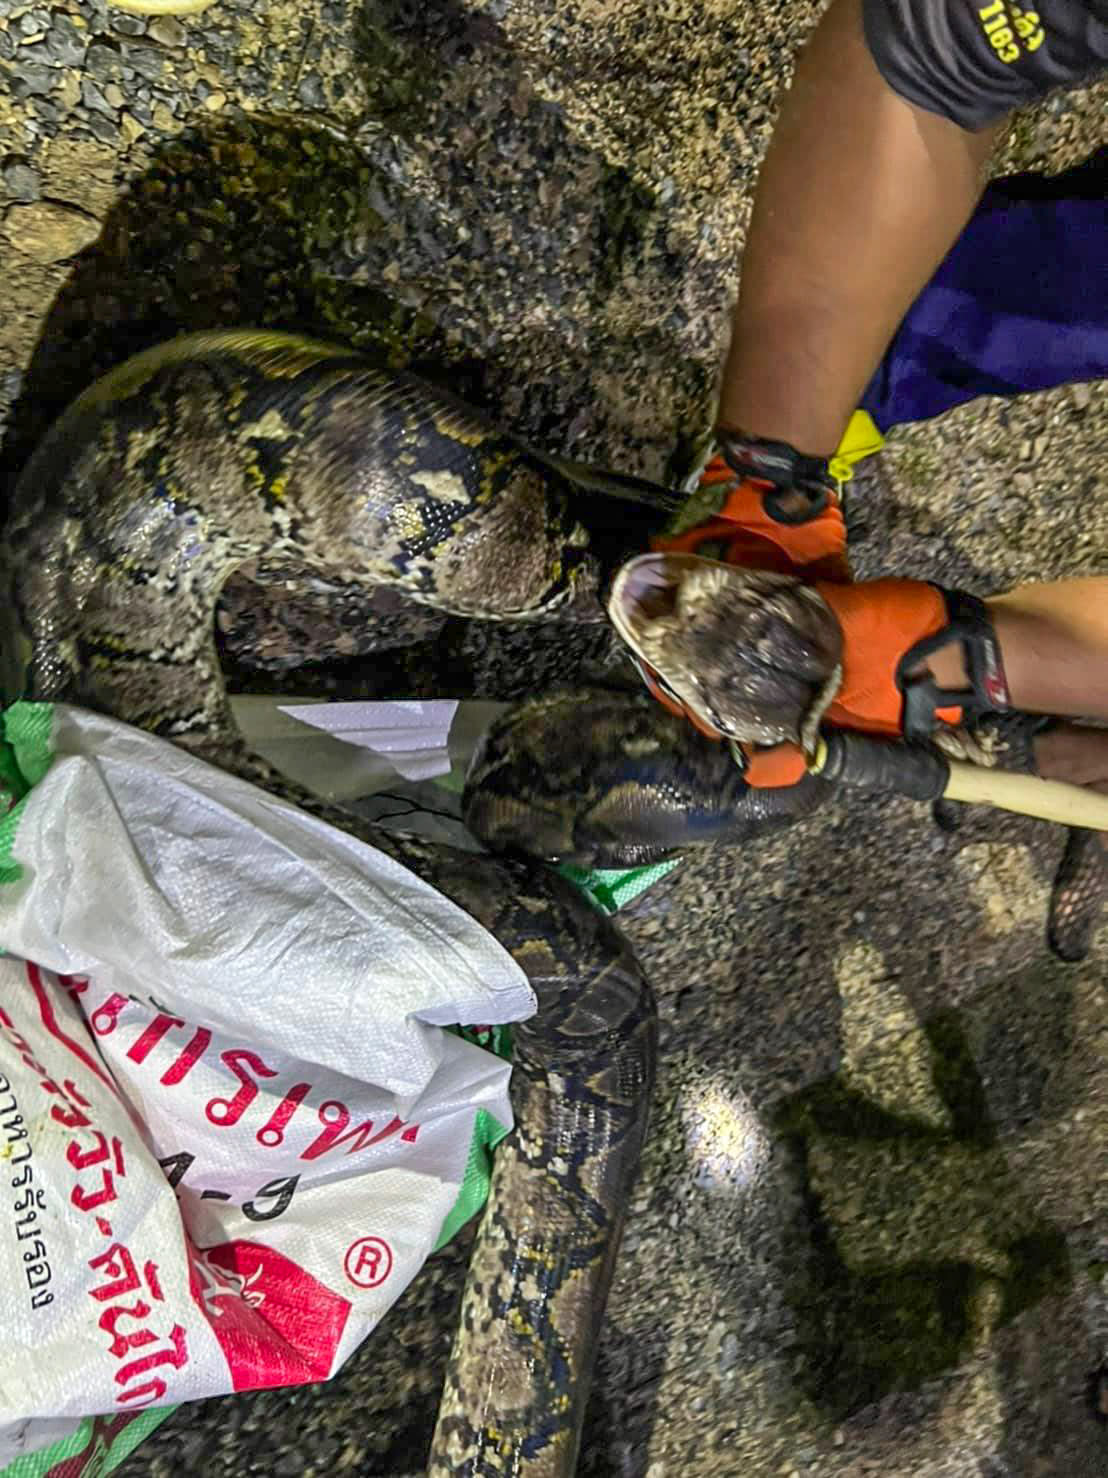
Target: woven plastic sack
pixel 97 1445
pixel 234 1129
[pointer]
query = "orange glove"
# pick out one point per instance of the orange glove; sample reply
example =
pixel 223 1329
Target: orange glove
pixel 755 529
pixel 888 627
pixel 881 621
pixel 774 768
pixel 781 513
pixel 758 527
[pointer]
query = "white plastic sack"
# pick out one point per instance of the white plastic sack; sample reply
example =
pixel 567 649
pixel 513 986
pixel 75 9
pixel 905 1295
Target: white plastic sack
pixel 412 734
pixel 232 1128
pixel 342 751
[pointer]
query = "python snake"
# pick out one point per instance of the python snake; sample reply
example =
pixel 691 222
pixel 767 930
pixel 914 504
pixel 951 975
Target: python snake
pixel 219 452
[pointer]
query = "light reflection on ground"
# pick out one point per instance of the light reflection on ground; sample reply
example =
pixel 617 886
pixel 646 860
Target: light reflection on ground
pixel 727 1145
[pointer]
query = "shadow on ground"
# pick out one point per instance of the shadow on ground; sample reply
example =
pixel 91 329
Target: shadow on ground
pixel 224 229
pixel 923 1246
pixel 298 223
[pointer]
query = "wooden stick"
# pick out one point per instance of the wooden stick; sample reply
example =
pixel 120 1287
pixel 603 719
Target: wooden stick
pixel 1029 795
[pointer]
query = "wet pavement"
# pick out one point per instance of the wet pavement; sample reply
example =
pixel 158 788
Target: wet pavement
pixel 871 1232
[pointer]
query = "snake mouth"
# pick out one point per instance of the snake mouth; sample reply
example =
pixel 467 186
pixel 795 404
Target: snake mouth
pixel 645 601
pixel 647 590
pixel 746 654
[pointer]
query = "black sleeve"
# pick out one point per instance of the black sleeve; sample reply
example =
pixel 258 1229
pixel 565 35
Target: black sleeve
pixel 972 61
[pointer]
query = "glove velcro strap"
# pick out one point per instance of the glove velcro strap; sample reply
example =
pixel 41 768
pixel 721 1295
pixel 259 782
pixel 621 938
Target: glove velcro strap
pixel 971 624
pixel 798 488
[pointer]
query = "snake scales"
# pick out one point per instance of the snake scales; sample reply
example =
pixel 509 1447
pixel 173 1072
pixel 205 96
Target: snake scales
pixel 216 451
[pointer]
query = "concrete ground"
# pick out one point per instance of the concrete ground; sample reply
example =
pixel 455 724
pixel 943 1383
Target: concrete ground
pixel 871 1232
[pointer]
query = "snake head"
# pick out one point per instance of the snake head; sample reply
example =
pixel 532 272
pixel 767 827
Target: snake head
pixel 611 780
pixel 749 653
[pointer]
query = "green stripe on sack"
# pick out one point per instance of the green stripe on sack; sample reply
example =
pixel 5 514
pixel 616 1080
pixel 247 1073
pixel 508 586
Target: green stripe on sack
pixel 614 888
pixel 474 1190
pixel 96 1448
pixel 487 1134
pixel 26 753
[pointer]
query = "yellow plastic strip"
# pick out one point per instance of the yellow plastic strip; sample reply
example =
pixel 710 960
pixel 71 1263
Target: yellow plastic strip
pixel 861 439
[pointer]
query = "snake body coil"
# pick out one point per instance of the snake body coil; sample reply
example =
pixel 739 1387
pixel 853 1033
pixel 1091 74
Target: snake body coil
pixel 218 451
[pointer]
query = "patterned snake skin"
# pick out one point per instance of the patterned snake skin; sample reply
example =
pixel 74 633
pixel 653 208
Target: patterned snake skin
pixel 214 452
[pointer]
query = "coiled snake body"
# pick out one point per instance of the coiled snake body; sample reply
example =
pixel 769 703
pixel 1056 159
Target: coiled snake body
pixel 216 450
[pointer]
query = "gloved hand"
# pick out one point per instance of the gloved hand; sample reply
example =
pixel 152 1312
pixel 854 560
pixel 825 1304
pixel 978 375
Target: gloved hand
pixel 764 659
pixel 777 510
pixel 890 627
pixel 745 654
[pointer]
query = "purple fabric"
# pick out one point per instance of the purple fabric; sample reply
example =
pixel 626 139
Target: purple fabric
pixel 1020 302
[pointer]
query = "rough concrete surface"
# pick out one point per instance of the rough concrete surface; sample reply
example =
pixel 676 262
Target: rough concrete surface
pixel 871 1232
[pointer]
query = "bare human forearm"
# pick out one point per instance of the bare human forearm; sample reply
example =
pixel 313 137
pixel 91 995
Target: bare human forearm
pixel 861 196
pixel 1054 642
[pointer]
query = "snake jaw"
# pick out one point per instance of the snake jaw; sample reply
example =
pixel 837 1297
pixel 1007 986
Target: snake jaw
pixel 645 591
pixel 749 654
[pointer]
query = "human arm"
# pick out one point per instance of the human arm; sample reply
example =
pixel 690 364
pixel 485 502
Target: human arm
pixel 1054 641
pixel 872 173
pixel 861 196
